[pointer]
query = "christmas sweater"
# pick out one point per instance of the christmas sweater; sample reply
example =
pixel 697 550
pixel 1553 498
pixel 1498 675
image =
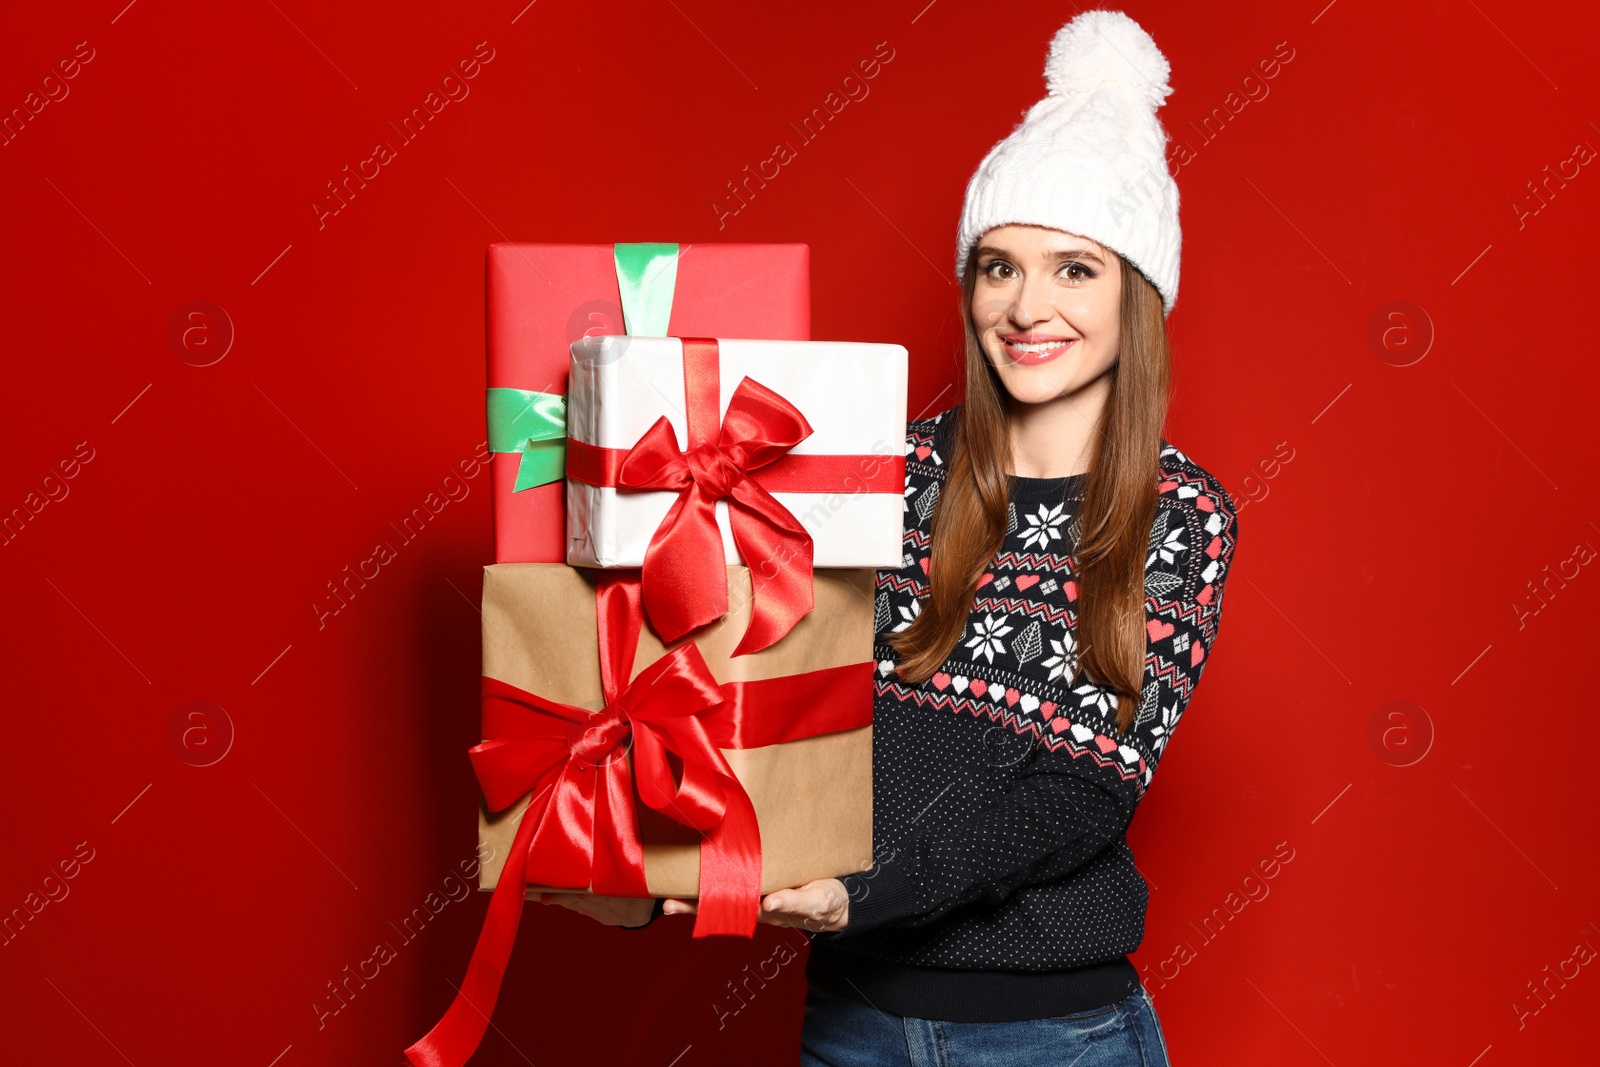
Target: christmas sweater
pixel 1003 886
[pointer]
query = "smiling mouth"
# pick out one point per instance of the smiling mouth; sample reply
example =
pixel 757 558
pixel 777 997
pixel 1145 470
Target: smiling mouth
pixel 1033 354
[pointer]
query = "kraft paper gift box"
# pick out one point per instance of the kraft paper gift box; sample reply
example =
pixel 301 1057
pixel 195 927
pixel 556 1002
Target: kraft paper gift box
pixel 542 297
pixel 844 482
pixel 812 797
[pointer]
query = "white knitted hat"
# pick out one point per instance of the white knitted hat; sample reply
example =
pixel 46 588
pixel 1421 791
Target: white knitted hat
pixel 1090 158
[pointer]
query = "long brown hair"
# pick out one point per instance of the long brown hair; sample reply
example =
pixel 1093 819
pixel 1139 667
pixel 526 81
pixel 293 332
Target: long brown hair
pixel 969 522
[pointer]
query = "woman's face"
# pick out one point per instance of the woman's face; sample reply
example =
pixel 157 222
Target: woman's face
pixel 1045 307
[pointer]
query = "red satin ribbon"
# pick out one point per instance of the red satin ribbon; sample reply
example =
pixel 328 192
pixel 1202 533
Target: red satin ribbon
pixel 865 473
pixel 742 459
pixel 580 829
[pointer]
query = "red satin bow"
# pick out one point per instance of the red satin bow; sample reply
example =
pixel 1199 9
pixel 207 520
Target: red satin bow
pixel 586 833
pixel 685 576
pixel 573 762
pixel 580 828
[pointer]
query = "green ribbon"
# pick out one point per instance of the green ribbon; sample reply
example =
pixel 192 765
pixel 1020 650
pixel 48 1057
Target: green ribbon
pixel 534 423
pixel 647 274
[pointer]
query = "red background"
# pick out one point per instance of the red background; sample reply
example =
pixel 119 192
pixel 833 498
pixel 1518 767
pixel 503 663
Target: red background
pixel 1393 515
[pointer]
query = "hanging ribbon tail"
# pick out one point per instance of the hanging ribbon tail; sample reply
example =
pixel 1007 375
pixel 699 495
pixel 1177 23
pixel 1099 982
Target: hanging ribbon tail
pixel 562 851
pixel 684 580
pixel 455 1037
pixel 617 869
pixel 588 835
pixel 761 427
pixel 730 872
pixel 780 554
pixel 685 568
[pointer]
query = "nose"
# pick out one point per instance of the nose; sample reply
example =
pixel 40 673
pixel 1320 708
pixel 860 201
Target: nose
pixel 1032 302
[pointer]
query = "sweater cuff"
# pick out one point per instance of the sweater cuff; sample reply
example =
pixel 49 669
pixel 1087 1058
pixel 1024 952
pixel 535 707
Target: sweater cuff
pixel 878 897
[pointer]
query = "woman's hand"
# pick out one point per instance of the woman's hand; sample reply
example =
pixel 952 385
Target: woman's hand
pixel 613 911
pixel 821 906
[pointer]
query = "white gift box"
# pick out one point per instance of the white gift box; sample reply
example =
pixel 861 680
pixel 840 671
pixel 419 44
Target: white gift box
pixel 853 395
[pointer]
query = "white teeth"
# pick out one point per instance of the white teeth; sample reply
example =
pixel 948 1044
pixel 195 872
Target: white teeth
pixel 1045 346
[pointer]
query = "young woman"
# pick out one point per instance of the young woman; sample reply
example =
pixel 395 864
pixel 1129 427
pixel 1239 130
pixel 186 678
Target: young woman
pixel 1062 588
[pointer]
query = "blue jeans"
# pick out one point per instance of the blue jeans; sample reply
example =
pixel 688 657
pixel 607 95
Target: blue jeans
pixel 840 1032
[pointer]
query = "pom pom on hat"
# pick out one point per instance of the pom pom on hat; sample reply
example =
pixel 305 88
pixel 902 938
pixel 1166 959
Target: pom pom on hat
pixel 1089 158
pixel 1100 47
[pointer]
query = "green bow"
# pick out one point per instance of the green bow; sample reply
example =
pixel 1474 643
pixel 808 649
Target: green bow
pixel 534 423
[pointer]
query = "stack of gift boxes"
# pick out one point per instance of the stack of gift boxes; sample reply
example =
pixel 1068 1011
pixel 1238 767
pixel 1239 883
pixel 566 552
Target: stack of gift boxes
pixel 690 500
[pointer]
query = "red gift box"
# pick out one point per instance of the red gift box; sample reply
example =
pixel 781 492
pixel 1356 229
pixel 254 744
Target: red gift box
pixel 542 297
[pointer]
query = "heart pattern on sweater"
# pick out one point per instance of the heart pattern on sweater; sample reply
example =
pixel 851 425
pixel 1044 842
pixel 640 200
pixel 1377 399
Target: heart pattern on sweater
pixel 1159 629
pixel 1027 581
pixel 979 687
pixel 941 681
pixel 960 683
pixel 924 451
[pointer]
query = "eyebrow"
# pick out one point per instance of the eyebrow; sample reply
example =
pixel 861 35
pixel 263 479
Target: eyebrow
pixel 1058 256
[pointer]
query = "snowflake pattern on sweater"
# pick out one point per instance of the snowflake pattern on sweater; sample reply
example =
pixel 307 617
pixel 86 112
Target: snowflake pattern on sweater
pixel 1002 791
